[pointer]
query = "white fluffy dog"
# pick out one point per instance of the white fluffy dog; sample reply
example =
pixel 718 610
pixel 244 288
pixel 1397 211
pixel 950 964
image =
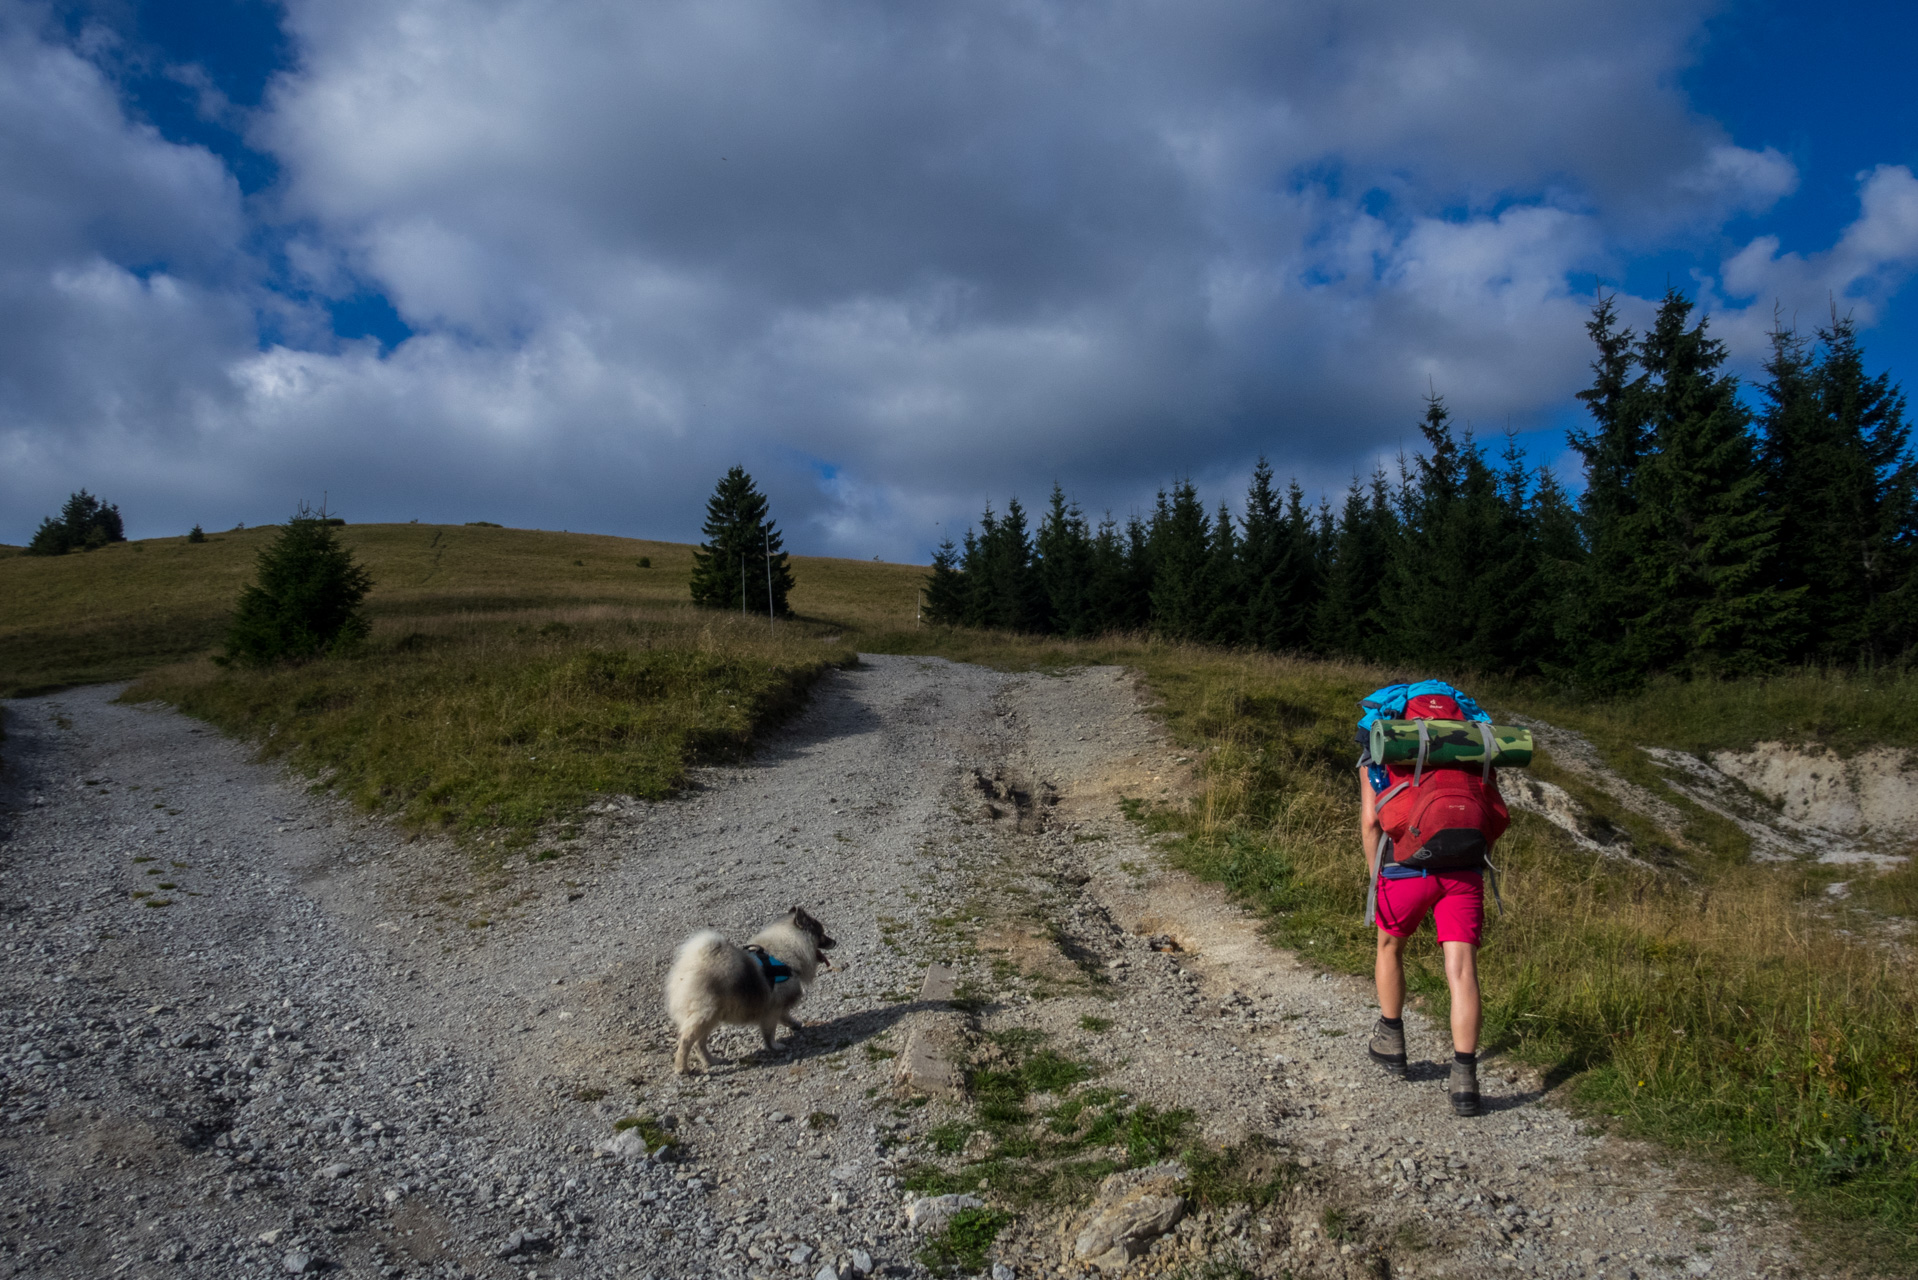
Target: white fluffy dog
pixel 716 983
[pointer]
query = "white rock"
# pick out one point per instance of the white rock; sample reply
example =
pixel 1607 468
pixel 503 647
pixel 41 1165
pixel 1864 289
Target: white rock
pixel 1133 1209
pixel 929 1215
pixel 862 1262
pixel 627 1144
pixel 1000 1271
pixel 800 1256
pixel 845 1172
pixel 298 1263
pixel 338 1169
pixel 827 1272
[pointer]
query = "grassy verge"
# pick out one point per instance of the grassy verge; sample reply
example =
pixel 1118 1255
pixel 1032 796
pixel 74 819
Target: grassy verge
pixel 1721 1007
pixel 513 674
pixel 493 725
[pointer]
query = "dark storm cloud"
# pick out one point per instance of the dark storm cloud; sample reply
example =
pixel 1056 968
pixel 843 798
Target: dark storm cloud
pixel 897 259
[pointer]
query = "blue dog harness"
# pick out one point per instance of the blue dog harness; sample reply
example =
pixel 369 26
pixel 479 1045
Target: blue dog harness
pixel 775 971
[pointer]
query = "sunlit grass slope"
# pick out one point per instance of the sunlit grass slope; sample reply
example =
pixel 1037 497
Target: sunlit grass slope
pixel 512 675
pixel 492 724
pixel 116 612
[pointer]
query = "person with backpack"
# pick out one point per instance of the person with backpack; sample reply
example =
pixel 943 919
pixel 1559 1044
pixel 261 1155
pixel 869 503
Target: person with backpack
pixel 1428 818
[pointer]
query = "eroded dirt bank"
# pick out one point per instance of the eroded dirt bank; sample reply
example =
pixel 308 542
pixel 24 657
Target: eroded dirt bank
pixel 333 1049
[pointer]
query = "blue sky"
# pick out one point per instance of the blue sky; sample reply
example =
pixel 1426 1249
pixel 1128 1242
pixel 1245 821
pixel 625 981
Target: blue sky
pixel 486 259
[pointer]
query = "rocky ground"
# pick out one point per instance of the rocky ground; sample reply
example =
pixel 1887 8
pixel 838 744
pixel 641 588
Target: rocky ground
pixel 248 1032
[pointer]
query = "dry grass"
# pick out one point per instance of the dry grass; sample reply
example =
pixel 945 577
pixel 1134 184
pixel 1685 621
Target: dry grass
pixel 492 724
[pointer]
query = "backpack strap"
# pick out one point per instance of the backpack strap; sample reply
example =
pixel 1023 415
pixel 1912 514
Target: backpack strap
pixel 1378 874
pixel 1425 744
pixel 1491 748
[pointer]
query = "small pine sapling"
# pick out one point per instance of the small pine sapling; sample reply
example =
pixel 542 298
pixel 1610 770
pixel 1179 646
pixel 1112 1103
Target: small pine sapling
pixel 307 600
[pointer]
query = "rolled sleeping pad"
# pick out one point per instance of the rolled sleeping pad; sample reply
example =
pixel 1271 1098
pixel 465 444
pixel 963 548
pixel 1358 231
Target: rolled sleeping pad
pixel 1453 743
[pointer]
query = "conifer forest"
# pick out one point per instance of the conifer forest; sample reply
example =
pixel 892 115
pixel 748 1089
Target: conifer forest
pixel 1714 537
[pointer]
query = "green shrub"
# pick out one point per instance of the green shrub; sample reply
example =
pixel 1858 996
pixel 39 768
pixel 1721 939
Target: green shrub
pixel 307 600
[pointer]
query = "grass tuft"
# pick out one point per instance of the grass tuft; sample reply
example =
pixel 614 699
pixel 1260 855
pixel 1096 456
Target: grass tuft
pixel 962 1246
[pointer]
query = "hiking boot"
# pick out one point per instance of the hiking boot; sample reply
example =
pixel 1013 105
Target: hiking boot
pixel 1465 1088
pixel 1388 1048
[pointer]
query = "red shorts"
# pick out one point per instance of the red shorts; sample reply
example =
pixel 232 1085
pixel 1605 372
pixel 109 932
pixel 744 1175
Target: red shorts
pixel 1455 900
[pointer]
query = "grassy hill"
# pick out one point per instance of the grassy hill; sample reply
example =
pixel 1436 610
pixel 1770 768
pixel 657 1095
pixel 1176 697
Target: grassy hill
pixel 114 613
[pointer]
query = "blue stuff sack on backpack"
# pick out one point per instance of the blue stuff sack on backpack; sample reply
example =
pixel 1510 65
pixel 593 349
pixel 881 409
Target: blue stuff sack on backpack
pixel 1388 703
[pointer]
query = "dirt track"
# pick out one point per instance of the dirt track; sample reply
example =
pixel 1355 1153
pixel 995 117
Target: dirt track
pixel 334 1049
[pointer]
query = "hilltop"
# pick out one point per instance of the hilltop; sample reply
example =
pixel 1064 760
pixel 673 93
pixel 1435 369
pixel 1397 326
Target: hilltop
pixel 129 607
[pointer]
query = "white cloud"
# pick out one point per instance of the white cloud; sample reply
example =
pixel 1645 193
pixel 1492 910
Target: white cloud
pixel 1737 180
pixel 932 253
pixel 1872 257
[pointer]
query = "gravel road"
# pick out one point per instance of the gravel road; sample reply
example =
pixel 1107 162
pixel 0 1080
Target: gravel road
pixel 249 1032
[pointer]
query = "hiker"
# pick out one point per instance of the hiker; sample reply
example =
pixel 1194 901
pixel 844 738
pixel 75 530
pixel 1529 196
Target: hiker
pixel 1427 829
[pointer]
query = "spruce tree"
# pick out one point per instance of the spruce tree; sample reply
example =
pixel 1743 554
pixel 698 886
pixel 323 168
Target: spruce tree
pixel 1838 477
pixel 945 598
pixel 1280 565
pixel 972 566
pixel 1711 600
pixel 306 599
pixel 1225 583
pixel 1423 612
pixel 1351 618
pixel 1005 588
pixel 1113 597
pixel 1064 549
pixel 1180 536
pixel 1598 636
pixel 84 524
pixel 740 537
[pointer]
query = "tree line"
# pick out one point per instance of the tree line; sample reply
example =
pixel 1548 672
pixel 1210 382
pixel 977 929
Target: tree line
pixel 1712 538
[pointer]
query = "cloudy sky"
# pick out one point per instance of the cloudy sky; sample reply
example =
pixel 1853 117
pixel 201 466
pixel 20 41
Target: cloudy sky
pixel 559 265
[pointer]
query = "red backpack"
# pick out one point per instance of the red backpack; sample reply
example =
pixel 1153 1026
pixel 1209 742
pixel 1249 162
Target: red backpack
pixel 1441 819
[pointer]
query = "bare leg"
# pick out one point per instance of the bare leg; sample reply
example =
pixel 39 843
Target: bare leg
pixel 1388 971
pixel 1461 974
